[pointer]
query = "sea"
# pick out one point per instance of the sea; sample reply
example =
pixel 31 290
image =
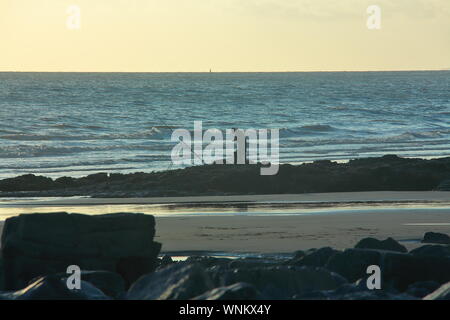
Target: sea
pixel 75 124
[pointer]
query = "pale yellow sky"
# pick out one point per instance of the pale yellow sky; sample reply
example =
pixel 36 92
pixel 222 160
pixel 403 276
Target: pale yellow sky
pixel 225 35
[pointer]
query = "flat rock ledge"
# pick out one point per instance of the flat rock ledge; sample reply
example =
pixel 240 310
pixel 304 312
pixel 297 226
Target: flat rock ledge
pixel 35 245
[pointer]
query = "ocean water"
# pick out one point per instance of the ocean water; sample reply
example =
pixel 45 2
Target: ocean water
pixel 75 124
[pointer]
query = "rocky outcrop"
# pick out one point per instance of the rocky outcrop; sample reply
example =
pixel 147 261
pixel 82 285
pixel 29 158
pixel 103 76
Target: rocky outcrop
pixel 367 174
pixel 435 237
pixel 42 244
pixel 388 244
pixel 27 182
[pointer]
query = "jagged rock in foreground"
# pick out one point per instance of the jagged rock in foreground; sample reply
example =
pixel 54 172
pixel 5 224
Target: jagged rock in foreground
pixel 355 291
pixel 280 282
pixel 54 288
pixel 330 274
pixel 443 293
pixel 431 251
pixel 313 258
pixel 364 295
pixel 180 281
pixel 388 244
pixel 237 291
pixel 111 283
pixel 435 237
pixel 352 263
pixel 185 280
pixel 43 244
pixel 421 289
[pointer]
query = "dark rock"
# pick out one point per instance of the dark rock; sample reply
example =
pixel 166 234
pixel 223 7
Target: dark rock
pixel 386 286
pixel 435 237
pixel 373 295
pixel 1 274
pixel 40 244
pixel 207 262
pixel 281 282
pixel 299 254
pixel 28 182
pixel 432 251
pixel 55 288
pixel 346 288
pixel 444 185
pixel 401 270
pixel 398 270
pixel 237 291
pixel 251 263
pixel 443 293
pixel 316 258
pixel 359 285
pixel 108 282
pixel 216 273
pixel 180 281
pixel 95 178
pixel 421 289
pixel 354 291
pixel 352 263
pixel 312 295
pixel 388 244
pixel 166 260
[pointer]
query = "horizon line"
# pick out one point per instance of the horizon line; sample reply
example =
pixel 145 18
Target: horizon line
pixel 316 71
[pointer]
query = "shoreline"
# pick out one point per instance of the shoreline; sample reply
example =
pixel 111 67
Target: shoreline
pixel 331 197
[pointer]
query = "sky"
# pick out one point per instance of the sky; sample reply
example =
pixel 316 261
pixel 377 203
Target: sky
pixel 223 35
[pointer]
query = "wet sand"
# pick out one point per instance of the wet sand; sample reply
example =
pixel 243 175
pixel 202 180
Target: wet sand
pixel 284 234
